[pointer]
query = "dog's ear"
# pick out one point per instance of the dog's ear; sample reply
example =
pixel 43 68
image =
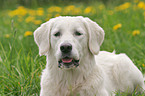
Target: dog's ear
pixel 41 37
pixel 96 36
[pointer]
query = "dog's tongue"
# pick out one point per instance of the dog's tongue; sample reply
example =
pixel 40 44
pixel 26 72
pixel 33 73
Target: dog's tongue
pixel 67 60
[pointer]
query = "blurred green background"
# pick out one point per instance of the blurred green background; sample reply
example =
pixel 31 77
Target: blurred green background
pixel 40 3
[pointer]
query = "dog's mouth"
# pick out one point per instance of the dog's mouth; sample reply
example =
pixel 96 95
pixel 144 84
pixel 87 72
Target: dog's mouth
pixel 68 63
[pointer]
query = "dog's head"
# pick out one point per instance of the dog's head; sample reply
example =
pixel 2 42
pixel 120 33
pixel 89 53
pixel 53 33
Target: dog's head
pixel 69 39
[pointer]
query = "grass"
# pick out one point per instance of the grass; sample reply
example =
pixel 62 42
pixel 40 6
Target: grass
pixel 20 64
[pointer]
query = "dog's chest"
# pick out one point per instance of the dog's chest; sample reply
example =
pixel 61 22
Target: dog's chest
pixel 65 88
pixel 67 85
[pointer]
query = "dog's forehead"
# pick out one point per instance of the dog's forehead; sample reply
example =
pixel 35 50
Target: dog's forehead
pixel 68 22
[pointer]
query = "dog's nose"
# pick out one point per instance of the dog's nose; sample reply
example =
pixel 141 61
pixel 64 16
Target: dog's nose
pixel 66 48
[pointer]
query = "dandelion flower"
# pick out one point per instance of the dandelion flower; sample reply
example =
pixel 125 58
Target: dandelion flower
pixel 7 36
pixel 12 13
pixel 54 9
pixel 20 11
pixel 56 15
pixel 37 22
pixel 123 6
pixel 141 4
pixel 135 32
pixel 29 19
pixel 32 12
pixel 117 26
pixel 69 9
pixel 88 10
pixel 143 65
pixel 40 12
pixel 28 33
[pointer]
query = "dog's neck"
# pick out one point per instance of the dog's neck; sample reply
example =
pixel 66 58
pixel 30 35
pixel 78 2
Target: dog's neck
pixel 72 75
pixel 73 79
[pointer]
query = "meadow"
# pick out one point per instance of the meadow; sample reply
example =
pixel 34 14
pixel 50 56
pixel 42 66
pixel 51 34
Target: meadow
pixel 20 63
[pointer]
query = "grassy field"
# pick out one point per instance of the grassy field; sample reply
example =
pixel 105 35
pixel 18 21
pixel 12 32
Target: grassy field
pixel 20 64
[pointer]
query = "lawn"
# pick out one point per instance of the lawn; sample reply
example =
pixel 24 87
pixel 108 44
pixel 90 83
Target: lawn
pixel 20 63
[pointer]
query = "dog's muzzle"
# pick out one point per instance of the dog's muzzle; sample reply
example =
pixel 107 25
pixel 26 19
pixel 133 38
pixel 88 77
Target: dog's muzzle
pixel 67 61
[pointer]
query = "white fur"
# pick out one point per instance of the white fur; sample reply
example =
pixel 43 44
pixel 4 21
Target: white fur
pixel 99 73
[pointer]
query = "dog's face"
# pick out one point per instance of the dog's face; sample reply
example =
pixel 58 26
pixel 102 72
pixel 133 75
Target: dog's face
pixel 69 39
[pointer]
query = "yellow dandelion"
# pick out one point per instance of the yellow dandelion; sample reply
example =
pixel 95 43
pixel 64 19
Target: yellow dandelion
pixel 69 9
pixel 29 19
pixel 40 12
pixel 135 32
pixel 123 6
pixel 22 10
pixel 57 15
pixel 32 12
pixel 88 10
pixel 12 13
pixel 143 65
pixel 117 26
pixel 141 5
pixel 7 35
pixel 28 33
pixel 37 22
pixel 54 9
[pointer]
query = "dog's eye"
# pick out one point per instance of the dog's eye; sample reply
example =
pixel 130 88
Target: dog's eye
pixel 57 34
pixel 78 33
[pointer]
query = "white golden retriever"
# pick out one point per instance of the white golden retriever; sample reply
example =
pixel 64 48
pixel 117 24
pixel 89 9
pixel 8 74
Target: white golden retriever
pixel 75 65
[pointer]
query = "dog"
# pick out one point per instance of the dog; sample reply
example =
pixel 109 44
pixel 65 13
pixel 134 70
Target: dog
pixel 75 64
